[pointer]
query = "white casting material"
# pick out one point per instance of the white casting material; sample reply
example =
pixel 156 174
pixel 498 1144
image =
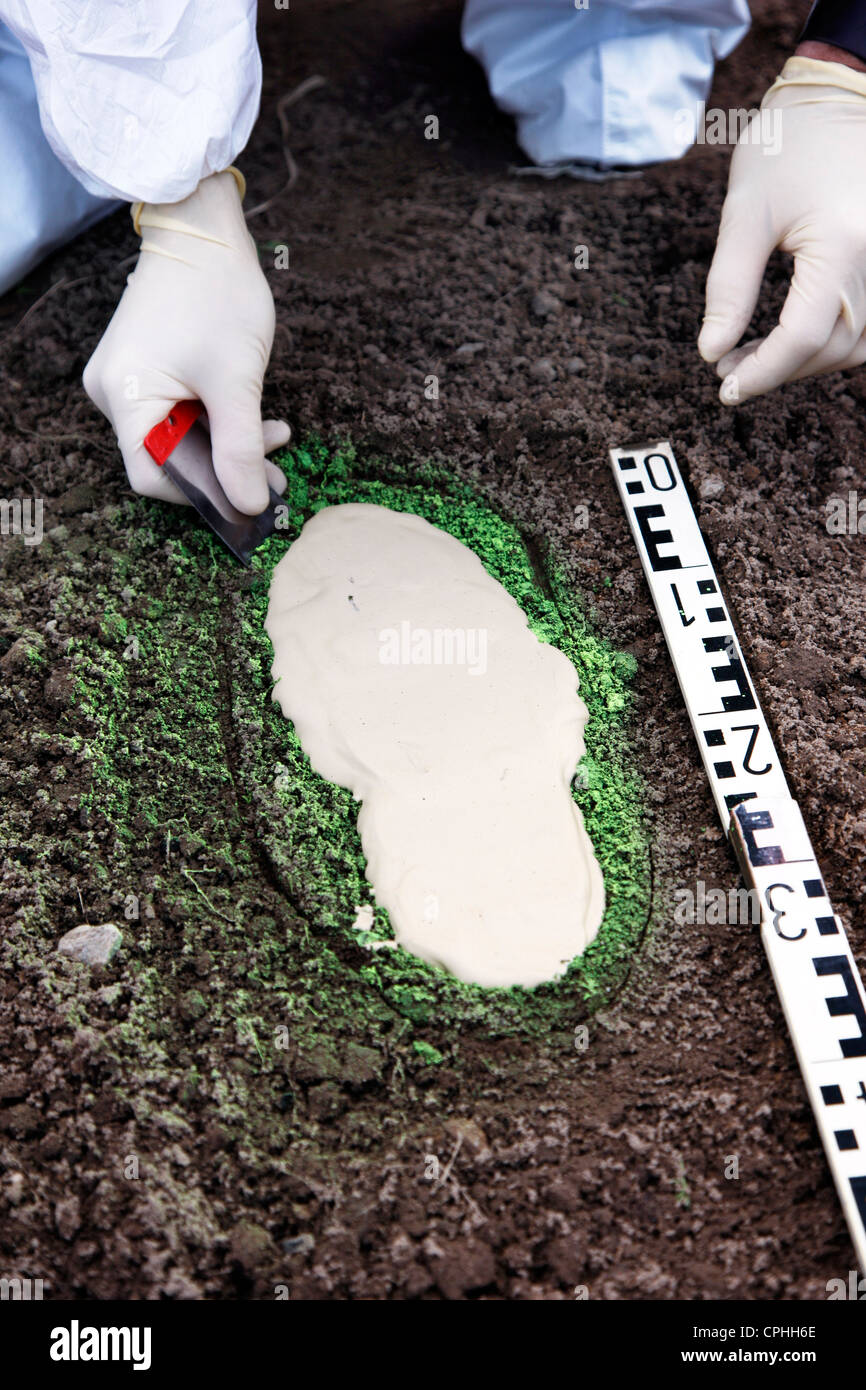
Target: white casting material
pixel 413 679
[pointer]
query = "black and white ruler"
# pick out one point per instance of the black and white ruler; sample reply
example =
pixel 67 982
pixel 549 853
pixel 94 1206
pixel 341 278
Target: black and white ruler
pixel 813 968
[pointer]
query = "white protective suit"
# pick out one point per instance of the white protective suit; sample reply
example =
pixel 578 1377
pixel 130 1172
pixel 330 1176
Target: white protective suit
pixel 603 84
pixel 138 100
pixel 141 99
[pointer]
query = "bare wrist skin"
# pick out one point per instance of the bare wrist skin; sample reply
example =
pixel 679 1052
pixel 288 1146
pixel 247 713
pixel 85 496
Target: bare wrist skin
pixel 827 53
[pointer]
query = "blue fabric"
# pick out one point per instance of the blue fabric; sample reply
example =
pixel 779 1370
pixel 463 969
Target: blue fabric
pixel 41 204
pixel 605 85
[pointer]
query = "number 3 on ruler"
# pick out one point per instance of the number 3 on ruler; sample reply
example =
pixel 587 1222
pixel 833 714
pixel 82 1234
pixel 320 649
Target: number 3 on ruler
pixel 779 912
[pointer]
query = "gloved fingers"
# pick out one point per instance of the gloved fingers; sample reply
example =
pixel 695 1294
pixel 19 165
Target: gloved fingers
pixel 276 434
pixel 805 325
pixel 131 420
pixel 144 474
pixel 149 480
pixel 276 477
pixel 732 359
pixel 832 358
pixel 237 437
pixel 845 348
pixel 855 358
pixel 734 280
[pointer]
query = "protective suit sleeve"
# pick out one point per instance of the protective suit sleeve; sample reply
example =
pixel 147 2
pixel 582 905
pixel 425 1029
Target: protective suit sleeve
pixel 142 100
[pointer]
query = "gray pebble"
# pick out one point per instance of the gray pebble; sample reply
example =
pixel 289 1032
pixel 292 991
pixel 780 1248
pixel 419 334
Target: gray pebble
pixel 544 304
pixel 469 349
pixel 91 945
pixel 543 370
pixel 83 497
pixel 298 1245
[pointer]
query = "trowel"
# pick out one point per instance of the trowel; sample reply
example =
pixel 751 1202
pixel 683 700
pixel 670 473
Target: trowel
pixel 181 445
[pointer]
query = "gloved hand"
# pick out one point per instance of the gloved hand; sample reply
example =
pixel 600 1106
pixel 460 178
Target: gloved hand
pixel 196 321
pixel 809 198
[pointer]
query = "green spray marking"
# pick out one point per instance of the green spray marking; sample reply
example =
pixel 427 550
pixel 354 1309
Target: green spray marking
pixel 160 767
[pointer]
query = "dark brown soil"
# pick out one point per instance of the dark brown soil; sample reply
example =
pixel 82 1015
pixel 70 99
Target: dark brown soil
pixel 604 1169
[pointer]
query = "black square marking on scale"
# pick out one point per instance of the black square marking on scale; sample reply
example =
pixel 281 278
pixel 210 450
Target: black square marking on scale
pixel 716 615
pixel 714 737
pixel 626 464
pixel 724 770
pixel 814 888
pixel 827 926
pixel 831 1095
pixel 634 487
pixel 846 1139
pixel 707 586
pixel 858 1189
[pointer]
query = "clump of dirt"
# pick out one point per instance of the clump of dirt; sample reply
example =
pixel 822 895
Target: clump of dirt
pixel 233 1105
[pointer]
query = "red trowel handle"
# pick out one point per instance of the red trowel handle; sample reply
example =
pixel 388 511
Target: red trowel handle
pixel 164 437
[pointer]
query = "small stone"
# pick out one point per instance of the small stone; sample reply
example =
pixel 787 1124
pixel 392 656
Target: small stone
pixel 326 1102
pixel 59 689
pixel 462 1267
pixel 564 1257
pixel 575 365
pixel 67 1217
pixel 364 918
pixel 712 487
pixel 562 1196
pixel 250 1246
pixel 543 370
pixel 15 1188
pixel 91 945
pixel 470 349
pixel 51 1146
pixel 299 1245
pixel 26 652
pixel 192 1006
pixel 470 1134
pixel 81 498
pixel 361 1065
pixel 544 303
pixel 317 1063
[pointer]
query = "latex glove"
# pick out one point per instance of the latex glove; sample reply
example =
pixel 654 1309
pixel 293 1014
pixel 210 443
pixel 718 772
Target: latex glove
pixel 809 198
pixel 196 321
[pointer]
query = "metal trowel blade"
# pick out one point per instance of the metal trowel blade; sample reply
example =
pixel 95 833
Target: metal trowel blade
pixel 190 466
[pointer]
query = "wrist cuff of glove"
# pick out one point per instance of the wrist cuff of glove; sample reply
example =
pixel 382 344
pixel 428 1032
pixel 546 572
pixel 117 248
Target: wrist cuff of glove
pixel 136 208
pixel 839 22
pixel 815 72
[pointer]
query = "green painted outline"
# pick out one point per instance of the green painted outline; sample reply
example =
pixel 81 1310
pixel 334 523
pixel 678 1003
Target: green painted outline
pixel 177 779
